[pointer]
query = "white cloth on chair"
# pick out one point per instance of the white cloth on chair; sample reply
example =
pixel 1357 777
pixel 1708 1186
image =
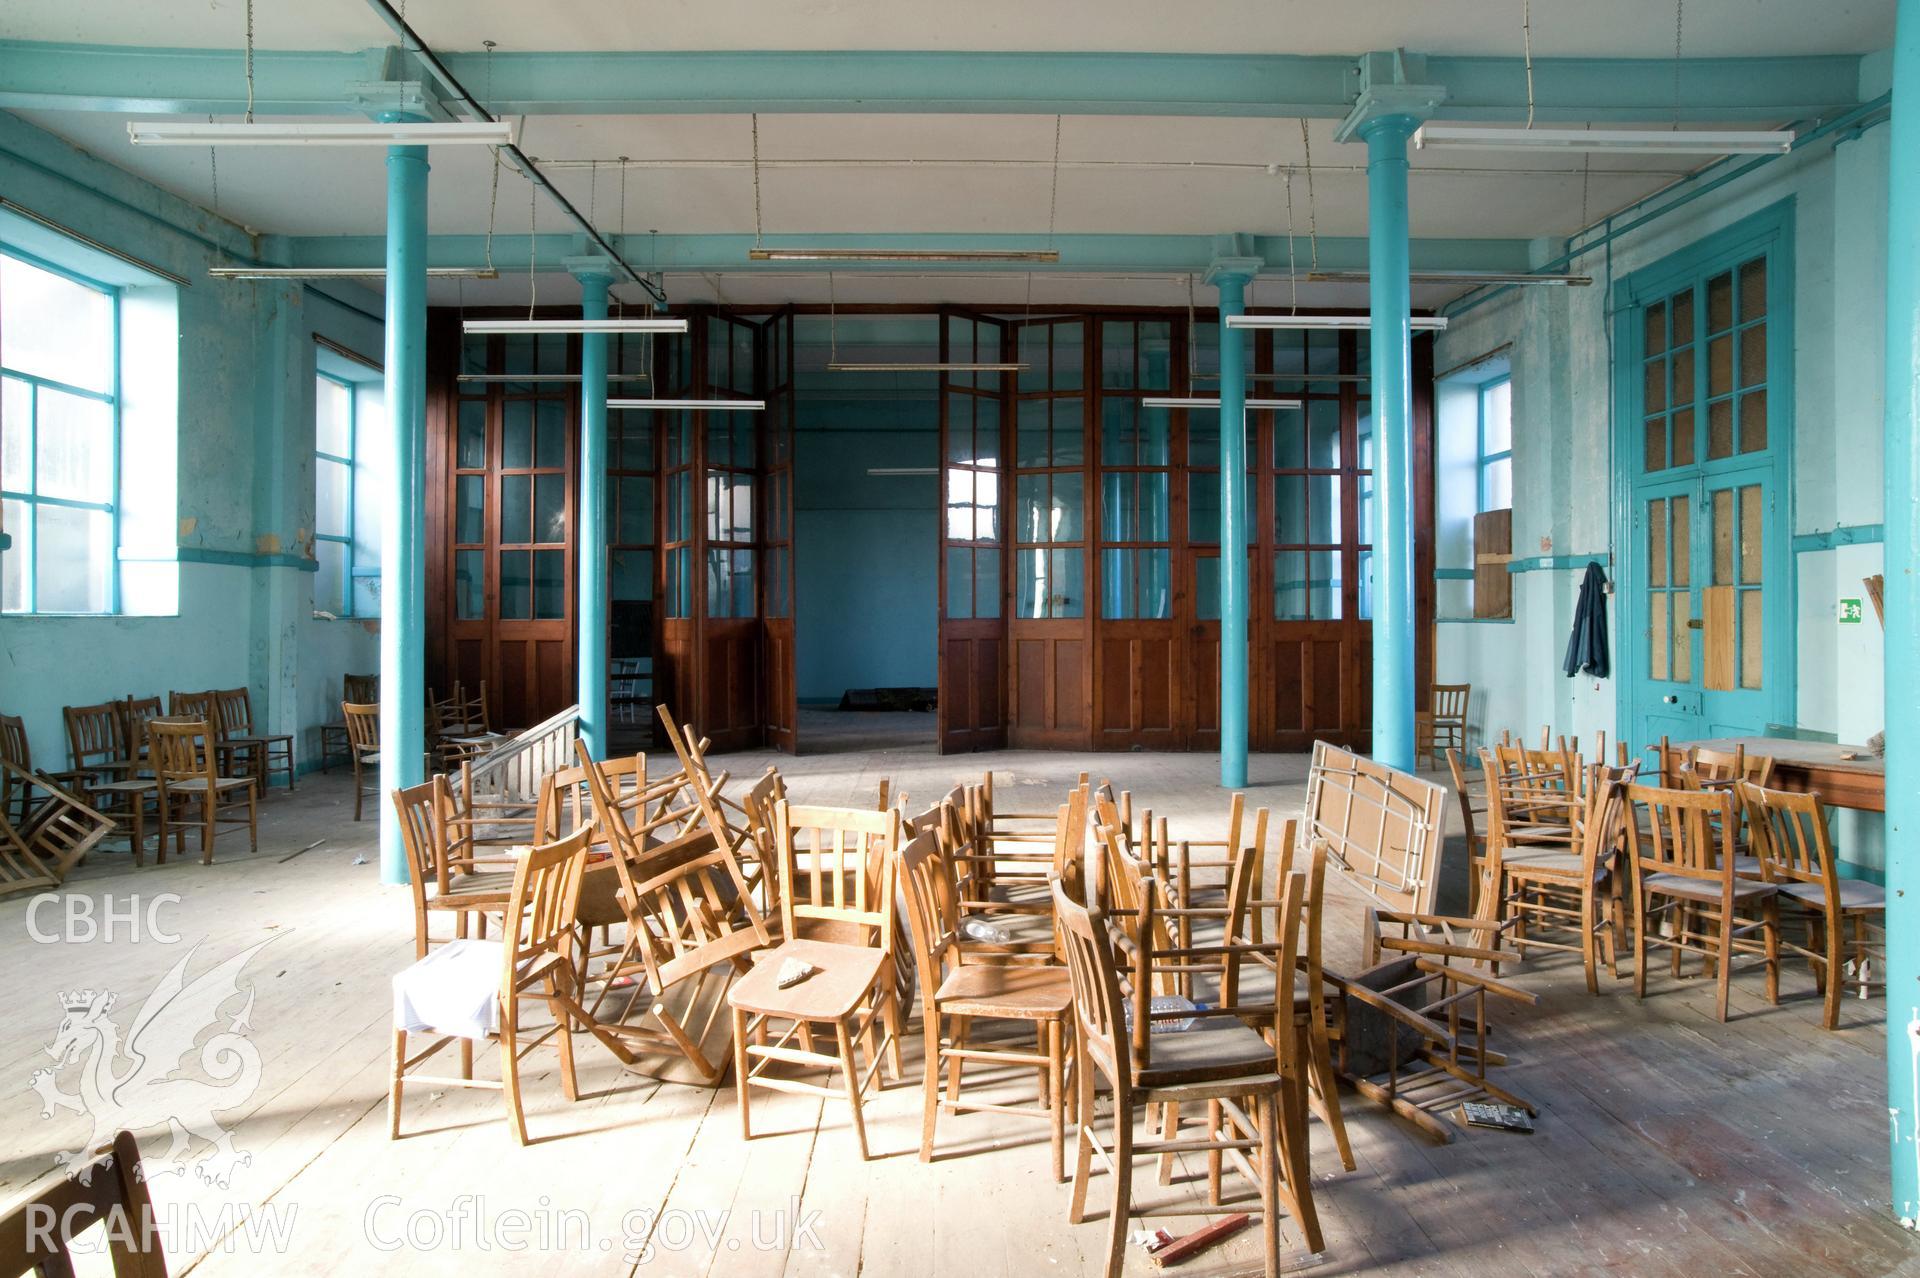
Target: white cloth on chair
pixel 454 991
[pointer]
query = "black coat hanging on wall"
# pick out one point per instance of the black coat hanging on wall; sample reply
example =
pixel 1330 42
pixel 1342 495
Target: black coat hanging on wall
pixel 1587 647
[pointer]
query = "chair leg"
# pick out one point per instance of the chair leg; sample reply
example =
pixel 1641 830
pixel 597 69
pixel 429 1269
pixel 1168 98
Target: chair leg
pixel 1639 942
pixel 1169 1130
pixel 1589 923
pixel 1834 927
pixel 253 819
pixel 563 1035
pixel 208 815
pixel 1122 1186
pixel 890 1009
pixel 1327 1085
pixel 740 1088
pixel 1083 1138
pixel 1214 1114
pixel 1056 1102
pixel 930 1084
pixel 396 1082
pixel 510 1071
pixel 961 1024
pixel 850 1069
pixel 1770 933
pixel 359 793
pixel 1269 1183
pixel 1723 977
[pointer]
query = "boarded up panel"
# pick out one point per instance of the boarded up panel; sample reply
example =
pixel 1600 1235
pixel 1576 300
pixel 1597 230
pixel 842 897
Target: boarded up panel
pixel 1717 613
pixel 1492 548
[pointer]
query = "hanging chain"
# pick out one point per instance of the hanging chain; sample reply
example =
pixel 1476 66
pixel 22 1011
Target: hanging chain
pixel 493 205
pixel 1679 10
pixel 1586 183
pixel 249 61
pixel 1526 43
pixel 756 179
pixel 593 190
pixel 1053 195
pixel 1293 276
pixel 1313 216
pixel 213 163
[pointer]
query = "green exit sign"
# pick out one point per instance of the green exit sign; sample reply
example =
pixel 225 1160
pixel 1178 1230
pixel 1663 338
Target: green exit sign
pixel 1850 611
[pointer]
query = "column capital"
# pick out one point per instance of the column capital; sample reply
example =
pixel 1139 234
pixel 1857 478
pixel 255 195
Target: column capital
pixel 1391 88
pixel 1235 257
pixel 591 266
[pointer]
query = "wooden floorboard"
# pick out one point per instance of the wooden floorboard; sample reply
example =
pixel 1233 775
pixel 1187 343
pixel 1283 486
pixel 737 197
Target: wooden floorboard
pixel 1668 1144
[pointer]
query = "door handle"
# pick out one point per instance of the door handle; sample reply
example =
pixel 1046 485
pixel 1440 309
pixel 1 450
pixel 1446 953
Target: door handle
pixel 1697 623
pixel 1671 700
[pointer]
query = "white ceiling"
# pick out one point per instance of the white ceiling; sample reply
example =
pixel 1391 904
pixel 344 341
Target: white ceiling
pixel 1597 28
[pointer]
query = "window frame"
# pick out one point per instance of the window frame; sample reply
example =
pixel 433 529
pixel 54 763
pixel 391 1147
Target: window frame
pixel 351 462
pixel 32 500
pixel 1484 459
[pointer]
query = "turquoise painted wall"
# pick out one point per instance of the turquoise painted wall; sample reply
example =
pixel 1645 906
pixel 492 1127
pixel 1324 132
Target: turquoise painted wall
pixel 1558 345
pixel 868 557
pixel 241 413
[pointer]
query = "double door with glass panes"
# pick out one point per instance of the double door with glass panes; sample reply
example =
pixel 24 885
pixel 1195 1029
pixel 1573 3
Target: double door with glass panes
pixel 1706 621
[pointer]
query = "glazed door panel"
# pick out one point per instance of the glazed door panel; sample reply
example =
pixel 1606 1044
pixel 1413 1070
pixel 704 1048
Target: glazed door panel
pixel 727 707
pixel 972 699
pixel 780 710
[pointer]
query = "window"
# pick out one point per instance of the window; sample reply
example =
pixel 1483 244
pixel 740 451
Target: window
pixel 1496 445
pixel 333 440
pixel 59 440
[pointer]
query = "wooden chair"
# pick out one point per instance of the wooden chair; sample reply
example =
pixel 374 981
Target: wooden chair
pixel 691 923
pixel 1684 874
pixel 135 713
pixel 957 988
pixel 268 752
pixel 1467 796
pixel 1014 846
pixel 58 831
pixel 106 761
pixel 360 690
pixel 112 1193
pixel 837 917
pixel 1577 891
pixel 1222 1063
pixel 363 740
pixel 1448 719
pixel 464 731
pixel 1313 1010
pixel 441 881
pixel 1790 838
pixel 96 743
pixel 185 764
pixel 489 981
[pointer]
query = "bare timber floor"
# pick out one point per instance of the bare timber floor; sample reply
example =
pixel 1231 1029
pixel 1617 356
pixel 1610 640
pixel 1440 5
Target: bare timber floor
pixel 1668 1144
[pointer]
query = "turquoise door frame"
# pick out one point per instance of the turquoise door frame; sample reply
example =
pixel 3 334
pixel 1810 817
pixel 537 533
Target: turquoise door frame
pixel 1647 708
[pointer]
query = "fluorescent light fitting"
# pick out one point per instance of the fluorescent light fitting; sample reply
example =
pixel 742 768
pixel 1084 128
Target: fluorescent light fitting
pixel 1451 277
pixel 900 255
pixel 355 133
pixel 711 405
pixel 852 366
pixel 1211 401
pixel 655 325
pixel 546 377
pixel 1428 323
pixel 343 272
pixel 890 471
pixel 1479 137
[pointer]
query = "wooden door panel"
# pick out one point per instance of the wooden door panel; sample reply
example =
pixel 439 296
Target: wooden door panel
pixel 1051 691
pixel 781 695
pixel 974 696
pixel 1138 684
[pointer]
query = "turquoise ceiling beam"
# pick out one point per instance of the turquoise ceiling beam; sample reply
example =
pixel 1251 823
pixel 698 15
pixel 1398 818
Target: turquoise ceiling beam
pixel 1108 253
pixel 48 76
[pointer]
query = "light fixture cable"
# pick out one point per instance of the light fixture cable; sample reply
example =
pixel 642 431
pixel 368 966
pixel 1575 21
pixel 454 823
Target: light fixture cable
pixel 249 61
pixel 1313 216
pixel 757 228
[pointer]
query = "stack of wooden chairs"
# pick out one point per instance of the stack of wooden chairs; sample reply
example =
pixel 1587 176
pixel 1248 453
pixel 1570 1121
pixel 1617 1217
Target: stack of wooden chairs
pixel 46 825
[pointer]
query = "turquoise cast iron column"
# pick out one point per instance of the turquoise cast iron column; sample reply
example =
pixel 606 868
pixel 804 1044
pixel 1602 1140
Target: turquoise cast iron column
pixel 594 278
pixel 1235 518
pixel 403 565
pixel 1388 300
pixel 1902 466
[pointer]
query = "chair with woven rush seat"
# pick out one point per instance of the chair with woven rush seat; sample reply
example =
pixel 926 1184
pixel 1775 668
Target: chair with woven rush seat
pixel 1443 727
pixel 106 763
pixel 360 690
pixel 468 990
pixel 363 743
pixel 1795 852
pixel 193 792
pixel 957 988
pixel 1684 873
pixel 440 886
pixel 269 752
pixel 837 917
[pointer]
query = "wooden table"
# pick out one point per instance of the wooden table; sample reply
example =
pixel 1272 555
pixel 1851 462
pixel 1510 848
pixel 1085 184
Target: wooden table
pixel 1858 782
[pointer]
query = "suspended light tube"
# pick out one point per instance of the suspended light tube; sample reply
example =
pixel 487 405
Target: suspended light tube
pixel 1452 277
pixel 1426 323
pixel 1479 137
pixel 901 255
pixel 356 133
pixel 1211 401
pixel 931 366
pixel 481 327
pixel 711 405
pixel 546 377
pixel 343 272
pixel 887 472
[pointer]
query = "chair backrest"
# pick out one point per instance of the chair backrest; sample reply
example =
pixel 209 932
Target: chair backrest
pixel 135 714
pixel 181 749
pixel 1788 832
pixel 1450 702
pixel 544 903
pixel 422 811
pixel 190 705
pixel 1382 827
pixel 932 892
pixel 1463 791
pixel 363 726
pixel 38 1233
pixel 93 735
pixel 1094 973
pixel 360 689
pixel 1724 767
pixel 1602 817
pixel 847 878
pixel 13 742
pixel 1688 834
pixel 234 709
